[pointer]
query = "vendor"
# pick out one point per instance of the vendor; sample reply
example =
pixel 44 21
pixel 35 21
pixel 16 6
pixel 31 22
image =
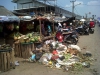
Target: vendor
pixel 49 30
pixel 65 28
pixel 64 25
pixel 59 26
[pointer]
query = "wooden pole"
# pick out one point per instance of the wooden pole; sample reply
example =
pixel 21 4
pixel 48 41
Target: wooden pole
pixel 2 63
pixel 12 58
pixel 5 61
pixel 40 30
pixel 8 60
pixel 53 27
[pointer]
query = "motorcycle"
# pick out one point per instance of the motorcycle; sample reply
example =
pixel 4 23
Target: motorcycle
pixel 98 23
pixel 67 37
pixel 86 29
pixel 83 29
pixel 79 30
pixel 91 30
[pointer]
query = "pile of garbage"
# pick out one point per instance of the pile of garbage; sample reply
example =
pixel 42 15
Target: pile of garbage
pixel 58 55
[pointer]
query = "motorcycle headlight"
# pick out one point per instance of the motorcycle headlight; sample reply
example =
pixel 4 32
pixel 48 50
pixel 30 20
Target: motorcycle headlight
pixel 60 37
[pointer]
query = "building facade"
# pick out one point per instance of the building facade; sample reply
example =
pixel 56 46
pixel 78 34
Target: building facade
pixel 34 6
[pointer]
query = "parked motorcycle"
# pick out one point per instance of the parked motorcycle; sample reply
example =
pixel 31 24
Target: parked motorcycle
pixel 79 30
pixel 98 23
pixel 83 29
pixel 67 37
pixel 86 29
pixel 91 30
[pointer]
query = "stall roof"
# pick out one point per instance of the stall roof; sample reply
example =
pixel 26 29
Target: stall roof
pixel 9 19
pixel 6 15
pixel 19 14
pixel 5 12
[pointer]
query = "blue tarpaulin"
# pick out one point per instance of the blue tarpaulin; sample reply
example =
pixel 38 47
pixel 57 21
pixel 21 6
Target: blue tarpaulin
pixel 9 18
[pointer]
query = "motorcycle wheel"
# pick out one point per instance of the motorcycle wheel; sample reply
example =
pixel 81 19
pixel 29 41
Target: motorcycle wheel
pixel 71 40
pixel 81 33
pixel 87 33
pixel 91 31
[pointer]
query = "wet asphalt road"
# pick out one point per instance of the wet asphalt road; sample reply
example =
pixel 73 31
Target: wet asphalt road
pixel 89 43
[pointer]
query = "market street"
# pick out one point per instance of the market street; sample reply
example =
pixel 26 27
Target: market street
pixel 49 37
pixel 89 43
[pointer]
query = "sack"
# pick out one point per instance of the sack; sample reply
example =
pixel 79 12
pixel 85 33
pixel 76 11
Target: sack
pixel 62 58
pixel 54 57
pixel 38 56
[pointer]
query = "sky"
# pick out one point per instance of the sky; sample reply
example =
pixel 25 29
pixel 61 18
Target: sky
pixel 89 7
pixel 82 7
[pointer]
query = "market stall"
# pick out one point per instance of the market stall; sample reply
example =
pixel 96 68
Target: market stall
pixel 25 43
pixel 46 28
pixel 34 32
pixel 8 25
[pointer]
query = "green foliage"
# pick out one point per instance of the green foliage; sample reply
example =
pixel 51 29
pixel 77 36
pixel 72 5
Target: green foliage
pixel 78 67
pixel 67 56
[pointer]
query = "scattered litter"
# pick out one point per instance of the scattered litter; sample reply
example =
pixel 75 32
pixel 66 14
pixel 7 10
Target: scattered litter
pixel 86 64
pixel 62 56
pixel 57 65
pixel 16 63
pixel 88 54
pixel 75 47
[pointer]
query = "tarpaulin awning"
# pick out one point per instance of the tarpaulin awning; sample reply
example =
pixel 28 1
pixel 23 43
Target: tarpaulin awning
pixel 9 18
pixel 25 18
pixel 59 19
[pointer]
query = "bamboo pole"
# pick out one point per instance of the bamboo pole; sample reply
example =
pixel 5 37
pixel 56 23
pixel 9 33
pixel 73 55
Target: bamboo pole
pixel 53 27
pixel 5 61
pixel 40 30
pixel 0 62
pixel 8 60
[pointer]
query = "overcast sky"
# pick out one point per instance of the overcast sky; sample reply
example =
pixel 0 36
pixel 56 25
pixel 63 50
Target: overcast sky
pixel 85 7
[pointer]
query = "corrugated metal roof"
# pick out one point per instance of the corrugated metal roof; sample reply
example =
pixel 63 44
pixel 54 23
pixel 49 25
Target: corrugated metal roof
pixel 5 12
pixel 14 1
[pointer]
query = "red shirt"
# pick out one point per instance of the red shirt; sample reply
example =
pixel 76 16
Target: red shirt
pixel 91 24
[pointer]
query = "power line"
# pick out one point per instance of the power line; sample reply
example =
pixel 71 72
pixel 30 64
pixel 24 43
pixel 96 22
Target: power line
pixel 90 5
pixel 73 6
pixel 77 11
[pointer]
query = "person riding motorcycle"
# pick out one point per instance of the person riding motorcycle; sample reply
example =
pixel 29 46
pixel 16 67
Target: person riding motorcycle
pixel 91 24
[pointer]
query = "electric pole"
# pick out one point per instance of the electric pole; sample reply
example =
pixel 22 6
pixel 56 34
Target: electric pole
pixel 93 16
pixel 73 6
pixel 86 16
pixel 45 6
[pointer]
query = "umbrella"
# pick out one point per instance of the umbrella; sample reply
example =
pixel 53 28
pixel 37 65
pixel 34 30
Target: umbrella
pixel 82 20
pixel 69 20
pixel 27 17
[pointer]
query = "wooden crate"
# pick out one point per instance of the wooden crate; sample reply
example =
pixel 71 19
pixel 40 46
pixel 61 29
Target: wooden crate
pixel 22 50
pixel 6 60
pixel 17 50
